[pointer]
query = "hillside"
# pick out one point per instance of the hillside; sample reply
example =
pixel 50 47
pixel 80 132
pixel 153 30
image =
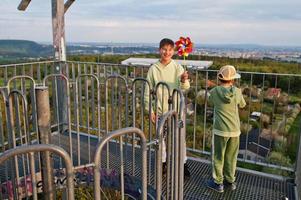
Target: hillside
pixel 23 48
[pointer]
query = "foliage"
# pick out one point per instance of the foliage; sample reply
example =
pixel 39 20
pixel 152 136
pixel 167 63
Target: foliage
pixel 293 139
pixel 280 159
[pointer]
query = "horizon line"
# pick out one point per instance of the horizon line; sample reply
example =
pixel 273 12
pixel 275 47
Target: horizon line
pixel 156 43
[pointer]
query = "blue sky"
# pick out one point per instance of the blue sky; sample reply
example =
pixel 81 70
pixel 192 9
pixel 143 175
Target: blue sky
pixel 205 21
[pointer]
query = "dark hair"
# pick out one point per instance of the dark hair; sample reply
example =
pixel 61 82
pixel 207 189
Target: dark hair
pixel 224 81
pixel 166 41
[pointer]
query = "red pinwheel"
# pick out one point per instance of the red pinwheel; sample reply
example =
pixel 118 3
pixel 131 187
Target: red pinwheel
pixel 184 46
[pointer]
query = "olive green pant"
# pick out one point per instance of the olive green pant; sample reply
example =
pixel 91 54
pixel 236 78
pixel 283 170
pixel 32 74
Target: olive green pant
pixel 224 158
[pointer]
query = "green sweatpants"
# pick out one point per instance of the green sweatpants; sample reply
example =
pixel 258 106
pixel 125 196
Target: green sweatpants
pixel 224 158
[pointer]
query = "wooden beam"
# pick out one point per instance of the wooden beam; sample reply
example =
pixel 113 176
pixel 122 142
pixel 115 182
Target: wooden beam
pixel 23 5
pixel 58 27
pixel 68 4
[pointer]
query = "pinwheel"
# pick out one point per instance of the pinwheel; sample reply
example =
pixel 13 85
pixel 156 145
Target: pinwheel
pixel 184 46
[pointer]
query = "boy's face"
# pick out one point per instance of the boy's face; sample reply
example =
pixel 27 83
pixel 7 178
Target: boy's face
pixel 166 52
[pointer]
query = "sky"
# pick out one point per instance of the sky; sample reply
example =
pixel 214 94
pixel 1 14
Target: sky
pixel 266 22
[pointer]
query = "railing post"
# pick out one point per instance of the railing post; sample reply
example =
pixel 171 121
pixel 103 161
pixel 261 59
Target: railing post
pixel 298 171
pixel 43 115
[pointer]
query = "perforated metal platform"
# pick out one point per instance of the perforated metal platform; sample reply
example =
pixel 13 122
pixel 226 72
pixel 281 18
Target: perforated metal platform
pixel 250 186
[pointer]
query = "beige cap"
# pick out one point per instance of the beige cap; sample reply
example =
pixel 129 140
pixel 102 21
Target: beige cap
pixel 227 73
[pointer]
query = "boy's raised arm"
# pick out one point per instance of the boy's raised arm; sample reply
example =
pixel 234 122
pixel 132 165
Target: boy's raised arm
pixel 183 78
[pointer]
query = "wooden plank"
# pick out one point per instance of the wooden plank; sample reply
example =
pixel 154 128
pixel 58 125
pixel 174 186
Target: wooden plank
pixel 68 4
pixel 58 26
pixel 23 5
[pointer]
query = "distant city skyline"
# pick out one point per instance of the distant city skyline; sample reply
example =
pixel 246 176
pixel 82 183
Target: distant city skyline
pixel 142 21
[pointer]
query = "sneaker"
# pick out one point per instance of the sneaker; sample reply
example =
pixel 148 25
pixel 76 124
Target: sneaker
pixel 186 171
pixel 231 186
pixel 214 186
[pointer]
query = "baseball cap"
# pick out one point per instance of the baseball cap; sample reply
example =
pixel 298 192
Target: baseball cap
pixel 227 73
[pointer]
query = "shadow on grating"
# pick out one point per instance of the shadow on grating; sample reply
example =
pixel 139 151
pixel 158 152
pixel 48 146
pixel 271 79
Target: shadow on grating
pixel 249 186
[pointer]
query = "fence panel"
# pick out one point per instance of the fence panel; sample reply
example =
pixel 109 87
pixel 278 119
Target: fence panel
pixel 26 185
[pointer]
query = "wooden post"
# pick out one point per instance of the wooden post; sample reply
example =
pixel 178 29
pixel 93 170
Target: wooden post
pixel 43 114
pixel 58 28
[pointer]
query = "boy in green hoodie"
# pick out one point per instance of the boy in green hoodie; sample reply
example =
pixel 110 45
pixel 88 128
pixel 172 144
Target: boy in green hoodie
pixel 226 98
pixel 172 73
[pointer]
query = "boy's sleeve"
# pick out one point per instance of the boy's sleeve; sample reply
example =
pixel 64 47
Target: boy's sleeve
pixel 183 86
pixel 150 79
pixel 242 102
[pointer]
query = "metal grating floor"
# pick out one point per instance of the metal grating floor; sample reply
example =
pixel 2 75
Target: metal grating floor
pixel 250 186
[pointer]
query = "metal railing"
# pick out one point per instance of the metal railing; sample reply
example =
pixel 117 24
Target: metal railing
pixel 81 125
pixel 97 160
pixel 261 137
pixel 174 179
pixel 276 106
pixel 103 97
pixel 274 97
pixel 30 171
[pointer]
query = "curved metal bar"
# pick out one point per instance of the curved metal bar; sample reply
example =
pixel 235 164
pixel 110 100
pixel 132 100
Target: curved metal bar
pixel 182 138
pixel 164 84
pixel 98 96
pixel 159 135
pixel 68 105
pixel 114 76
pixel 33 98
pixel 118 77
pixel 11 118
pixel 156 94
pixel 77 81
pixel 156 98
pixel 11 123
pixel 175 92
pixel 134 83
pixel 97 159
pixel 41 148
pixel 53 76
pixel 18 77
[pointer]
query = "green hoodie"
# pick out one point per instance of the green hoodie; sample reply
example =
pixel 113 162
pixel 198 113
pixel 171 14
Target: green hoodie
pixel 169 74
pixel 226 100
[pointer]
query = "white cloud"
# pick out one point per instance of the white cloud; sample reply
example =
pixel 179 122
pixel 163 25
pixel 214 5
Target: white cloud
pixel 206 21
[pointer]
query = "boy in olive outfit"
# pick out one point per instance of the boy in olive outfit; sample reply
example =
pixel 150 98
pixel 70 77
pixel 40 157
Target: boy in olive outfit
pixel 226 98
